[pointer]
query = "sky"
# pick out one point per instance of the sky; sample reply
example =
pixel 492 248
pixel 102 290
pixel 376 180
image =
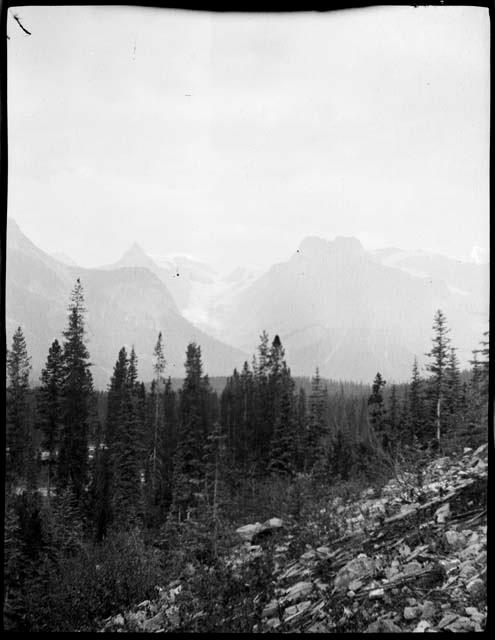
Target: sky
pixel 231 137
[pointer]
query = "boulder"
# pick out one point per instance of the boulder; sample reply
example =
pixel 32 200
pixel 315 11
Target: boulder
pixel 428 610
pixel 273 523
pixel 476 589
pixel 422 626
pixel 356 569
pixel 411 612
pixel 248 531
pixel 118 620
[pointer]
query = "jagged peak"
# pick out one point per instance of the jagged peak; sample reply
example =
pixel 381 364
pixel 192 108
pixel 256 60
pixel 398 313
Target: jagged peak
pixel 137 254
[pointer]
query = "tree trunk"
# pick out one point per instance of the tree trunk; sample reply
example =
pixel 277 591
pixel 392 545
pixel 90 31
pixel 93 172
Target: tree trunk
pixel 438 418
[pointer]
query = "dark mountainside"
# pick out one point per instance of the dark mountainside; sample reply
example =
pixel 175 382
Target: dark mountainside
pixel 126 306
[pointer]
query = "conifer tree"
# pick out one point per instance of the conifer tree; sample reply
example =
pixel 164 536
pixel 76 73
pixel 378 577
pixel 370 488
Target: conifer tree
pixel 439 357
pixel 378 413
pixel 453 398
pixel 124 441
pixel 77 390
pixel 50 406
pixel 416 405
pixel 393 417
pixel 158 368
pixel 18 427
pixel 215 489
pixel 284 445
pixel 315 449
pixel 188 464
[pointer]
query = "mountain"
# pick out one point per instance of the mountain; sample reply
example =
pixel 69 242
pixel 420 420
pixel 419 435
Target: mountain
pixel 353 312
pixel 195 287
pixel 63 257
pixel 126 305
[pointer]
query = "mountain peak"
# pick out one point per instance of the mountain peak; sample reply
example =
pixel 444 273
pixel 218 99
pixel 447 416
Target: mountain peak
pixel 347 244
pixel 135 256
pixel 313 245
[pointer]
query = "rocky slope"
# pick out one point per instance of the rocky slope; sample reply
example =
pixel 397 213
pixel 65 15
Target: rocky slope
pixel 411 557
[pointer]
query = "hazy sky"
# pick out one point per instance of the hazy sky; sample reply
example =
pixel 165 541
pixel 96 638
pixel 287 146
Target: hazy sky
pixel 231 137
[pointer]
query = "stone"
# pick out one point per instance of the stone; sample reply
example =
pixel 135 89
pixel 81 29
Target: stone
pixel 443 513
pixel 411 567
pixel 454 539
pixel 476 588
pixel 118 620
pixel 270 609
pixel 447 619
pixel 356 569
pixel 376 593
pixel 383 626
pixel 323 552
pixel 272 623
pixel 461 624
pixel 273 523
pixel 421 627
pixel 248 531
pixel 480 450
pixel 467 570
pixel 354 585
pixel 309 556
pixel 154 623
pixel 296 611
pixel 297 592
pixel 428 610
pixel 410 613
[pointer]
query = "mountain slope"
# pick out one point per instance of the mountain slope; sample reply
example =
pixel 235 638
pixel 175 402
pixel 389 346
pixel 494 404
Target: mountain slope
pixel 125 306
pixel 339 307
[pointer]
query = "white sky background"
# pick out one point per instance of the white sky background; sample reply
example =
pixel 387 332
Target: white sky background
pixel 370 122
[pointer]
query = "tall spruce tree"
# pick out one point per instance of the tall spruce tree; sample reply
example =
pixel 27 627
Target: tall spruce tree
pixel 18 426
pixel 439 355
pixel 315 447
pixel 188 464
pixel 77 388
pixel 378 413
pixel 126 486
pixel 50 407
pixel 453 400
pixel 394 418
pixel 417 405
pixel 158 369
pixel 284 447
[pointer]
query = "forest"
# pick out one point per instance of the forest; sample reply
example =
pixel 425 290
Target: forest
pixel 110 494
